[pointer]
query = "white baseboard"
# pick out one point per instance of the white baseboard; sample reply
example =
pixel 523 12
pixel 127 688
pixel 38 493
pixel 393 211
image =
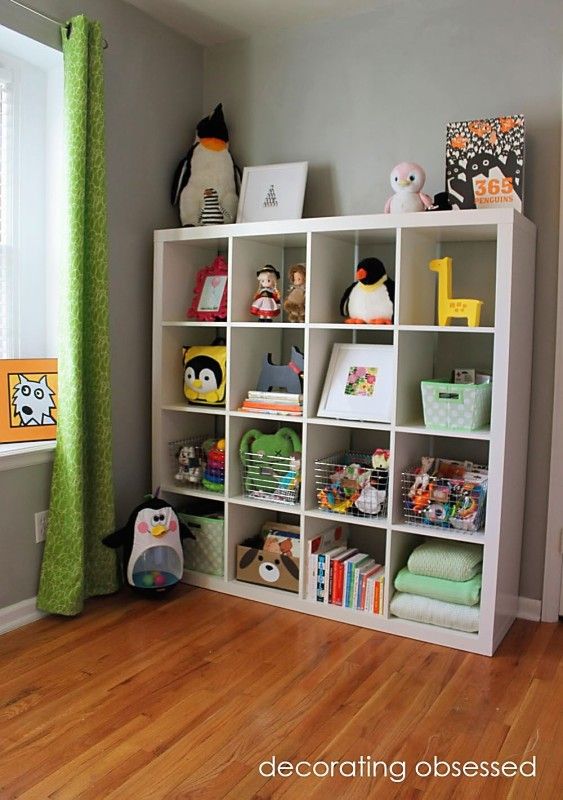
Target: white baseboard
pixel 19 614
pixel 528 608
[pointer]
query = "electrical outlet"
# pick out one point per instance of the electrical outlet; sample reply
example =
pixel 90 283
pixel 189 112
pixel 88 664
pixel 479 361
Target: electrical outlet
pixel 41 522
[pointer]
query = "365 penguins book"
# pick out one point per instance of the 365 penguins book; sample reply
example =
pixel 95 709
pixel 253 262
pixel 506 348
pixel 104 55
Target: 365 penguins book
pixel 485 163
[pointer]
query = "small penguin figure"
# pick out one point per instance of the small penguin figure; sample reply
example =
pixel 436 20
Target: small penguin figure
pixel 152 546
pixel 370 298
pixel 206 181
pixel 407 180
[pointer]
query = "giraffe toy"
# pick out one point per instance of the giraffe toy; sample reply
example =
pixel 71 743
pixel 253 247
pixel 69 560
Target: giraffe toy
pixel 449 307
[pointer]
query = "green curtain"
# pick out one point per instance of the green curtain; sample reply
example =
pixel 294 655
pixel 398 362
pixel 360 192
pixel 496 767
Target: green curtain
pixel 76 565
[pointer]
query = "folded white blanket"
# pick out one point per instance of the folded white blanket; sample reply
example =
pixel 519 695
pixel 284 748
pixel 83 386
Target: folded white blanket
pixel 435 612
pixel 452 561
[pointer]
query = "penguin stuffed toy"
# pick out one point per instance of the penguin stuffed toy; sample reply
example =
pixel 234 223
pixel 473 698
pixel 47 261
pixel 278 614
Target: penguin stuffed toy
pixel 153 559
pixel 206 181
pixel 371 297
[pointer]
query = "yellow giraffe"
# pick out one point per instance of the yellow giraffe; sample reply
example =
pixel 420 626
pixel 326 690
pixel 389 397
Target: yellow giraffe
pixel 448 307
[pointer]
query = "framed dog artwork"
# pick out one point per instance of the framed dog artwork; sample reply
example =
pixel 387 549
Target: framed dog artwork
pixel 28 399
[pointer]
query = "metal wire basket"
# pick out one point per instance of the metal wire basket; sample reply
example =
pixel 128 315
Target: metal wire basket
pixel 276 479
pixel 346 483
pixel 192 465
pixel 443 502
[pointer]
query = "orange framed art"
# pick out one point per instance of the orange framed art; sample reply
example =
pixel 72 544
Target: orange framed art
pixel 28 399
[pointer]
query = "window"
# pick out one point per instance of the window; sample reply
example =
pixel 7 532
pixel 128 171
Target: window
pixel 31 208
pixel 7 291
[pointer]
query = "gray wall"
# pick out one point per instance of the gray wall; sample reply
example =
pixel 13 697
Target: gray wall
pixel 154 80
pixel 355 96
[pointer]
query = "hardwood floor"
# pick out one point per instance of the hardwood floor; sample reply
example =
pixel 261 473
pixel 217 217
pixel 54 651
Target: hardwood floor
pixel 185 697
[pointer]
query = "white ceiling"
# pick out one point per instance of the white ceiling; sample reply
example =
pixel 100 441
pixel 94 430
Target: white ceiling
pixel 216 21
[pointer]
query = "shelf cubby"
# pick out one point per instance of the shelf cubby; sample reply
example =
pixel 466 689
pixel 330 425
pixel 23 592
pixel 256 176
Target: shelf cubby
pixel 172 340
pixel 249 254
pixel 473 274
pixel 334 259
pixel 423 355
pixel 181 261
pixel 249 348
pixel 493 255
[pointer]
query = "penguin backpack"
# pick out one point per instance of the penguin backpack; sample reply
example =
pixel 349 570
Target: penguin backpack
pixel 153 559
pixel 206 182
pixel 370 299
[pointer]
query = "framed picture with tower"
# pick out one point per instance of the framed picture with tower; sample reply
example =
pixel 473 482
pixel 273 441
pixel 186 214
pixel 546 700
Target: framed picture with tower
pixel 274 191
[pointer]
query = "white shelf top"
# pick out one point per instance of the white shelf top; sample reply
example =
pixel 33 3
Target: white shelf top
pixel 343 326
pixel 255 502
pixel 478 537
pixel 473 224
pixel 173 489
pixel 421 428
pixel 172 323
pixel 350 423
pixel 268 325
pixel 258 415
pixel 445 329
pixel 184 408
pixel 371 522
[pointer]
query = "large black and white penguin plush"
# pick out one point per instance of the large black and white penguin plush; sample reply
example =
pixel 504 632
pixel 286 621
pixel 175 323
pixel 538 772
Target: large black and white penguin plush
pixel 153 559
pixel 371 297
pixel 206 180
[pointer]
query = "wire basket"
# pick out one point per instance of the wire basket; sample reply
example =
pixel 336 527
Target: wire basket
pixel 346 483
pixel 443 502
pixel 273 478
pixel 196 466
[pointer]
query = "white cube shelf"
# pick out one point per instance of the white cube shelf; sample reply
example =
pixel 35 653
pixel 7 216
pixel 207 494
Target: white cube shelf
pixel 493 253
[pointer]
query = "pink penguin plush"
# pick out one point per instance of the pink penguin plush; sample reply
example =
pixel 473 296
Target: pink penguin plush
pixel 407 180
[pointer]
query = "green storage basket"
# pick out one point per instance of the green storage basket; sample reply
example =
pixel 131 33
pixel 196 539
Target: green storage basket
pixel 205 553
pixel 456 406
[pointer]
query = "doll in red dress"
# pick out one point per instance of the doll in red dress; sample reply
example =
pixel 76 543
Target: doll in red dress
pixel 266 303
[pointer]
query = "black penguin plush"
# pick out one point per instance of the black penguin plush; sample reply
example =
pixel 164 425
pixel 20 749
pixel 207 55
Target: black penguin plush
pixel 371 297
pixel 206 181
pixel 153 559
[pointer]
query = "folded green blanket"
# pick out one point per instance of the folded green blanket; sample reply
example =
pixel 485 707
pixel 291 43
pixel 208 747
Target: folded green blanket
pixel 441 558
pixel 435 612
pixel 465 593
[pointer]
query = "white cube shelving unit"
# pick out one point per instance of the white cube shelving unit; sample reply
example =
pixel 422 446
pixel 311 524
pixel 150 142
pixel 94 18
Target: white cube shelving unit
pixel 493 254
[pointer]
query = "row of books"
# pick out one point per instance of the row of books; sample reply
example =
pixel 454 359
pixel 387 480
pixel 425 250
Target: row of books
pixel 273 403
pixel 343 576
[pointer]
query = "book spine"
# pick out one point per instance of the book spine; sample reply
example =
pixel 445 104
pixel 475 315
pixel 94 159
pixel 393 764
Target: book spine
pixel 377 590
pixel 312 577
pixel 285 397
pixel 381 593
pixel 362 602
pixel 272 405
pixel 369 596
pixel 321 576
pixel 350 590
pixel 338 582
pixel 334 570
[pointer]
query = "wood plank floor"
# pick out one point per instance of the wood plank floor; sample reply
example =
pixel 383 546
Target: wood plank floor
pixel 185 697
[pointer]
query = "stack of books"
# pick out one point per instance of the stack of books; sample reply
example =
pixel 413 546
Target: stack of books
pixel 273 403
pixel 343 576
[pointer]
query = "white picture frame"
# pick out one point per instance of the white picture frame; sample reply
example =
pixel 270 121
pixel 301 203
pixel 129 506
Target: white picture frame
pixel 272 192
pixel 359 384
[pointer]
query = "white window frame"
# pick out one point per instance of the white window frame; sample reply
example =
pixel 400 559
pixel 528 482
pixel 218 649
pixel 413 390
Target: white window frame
pixel 14 67
pixel 9 289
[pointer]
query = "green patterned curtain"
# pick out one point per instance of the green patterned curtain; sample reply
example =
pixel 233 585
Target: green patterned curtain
pixel 76 565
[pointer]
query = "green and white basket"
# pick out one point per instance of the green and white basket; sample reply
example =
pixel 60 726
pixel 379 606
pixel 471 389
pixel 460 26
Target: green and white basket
pixel 205 553
pixel 456 406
